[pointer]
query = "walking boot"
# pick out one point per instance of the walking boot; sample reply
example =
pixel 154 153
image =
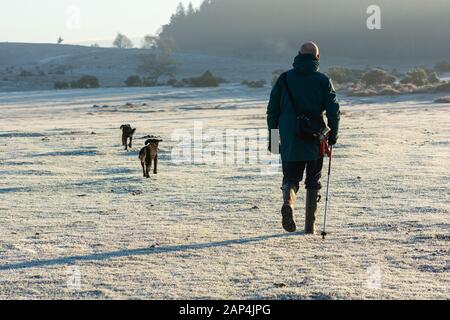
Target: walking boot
pixel 312 197
pixel 287 211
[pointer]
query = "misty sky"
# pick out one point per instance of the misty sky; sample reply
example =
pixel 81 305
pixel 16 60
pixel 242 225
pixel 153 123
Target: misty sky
pixel 46 20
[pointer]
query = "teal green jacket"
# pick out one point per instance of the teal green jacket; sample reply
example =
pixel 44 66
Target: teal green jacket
pixel 314 92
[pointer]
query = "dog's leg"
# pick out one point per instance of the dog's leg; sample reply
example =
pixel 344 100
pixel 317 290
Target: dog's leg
pixel 149 166
pixel 131 142
pixel 155 165
pixel 143 168
pixel 124 142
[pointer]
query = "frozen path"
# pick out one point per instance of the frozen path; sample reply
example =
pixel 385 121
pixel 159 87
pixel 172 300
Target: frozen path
pixel 73 203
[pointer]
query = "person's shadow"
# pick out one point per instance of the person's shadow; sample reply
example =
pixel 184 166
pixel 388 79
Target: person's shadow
pixel 136 252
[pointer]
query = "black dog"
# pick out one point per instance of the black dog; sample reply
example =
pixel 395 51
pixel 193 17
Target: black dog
pixel 148 155
pixel 127 133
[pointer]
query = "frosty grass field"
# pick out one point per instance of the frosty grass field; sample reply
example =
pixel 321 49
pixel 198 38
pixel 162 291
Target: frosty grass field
pixel 78 220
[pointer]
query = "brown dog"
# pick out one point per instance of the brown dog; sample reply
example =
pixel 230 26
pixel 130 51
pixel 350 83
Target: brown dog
pixel 127 133
pixel 149 154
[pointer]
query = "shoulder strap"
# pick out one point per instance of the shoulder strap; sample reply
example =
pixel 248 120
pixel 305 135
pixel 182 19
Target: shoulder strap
pixel 289 92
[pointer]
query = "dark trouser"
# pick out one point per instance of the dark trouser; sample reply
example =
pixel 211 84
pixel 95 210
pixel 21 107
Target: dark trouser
pixel 293 173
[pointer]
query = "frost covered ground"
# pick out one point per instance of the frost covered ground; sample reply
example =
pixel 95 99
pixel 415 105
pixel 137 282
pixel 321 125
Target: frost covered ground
pixel 77 220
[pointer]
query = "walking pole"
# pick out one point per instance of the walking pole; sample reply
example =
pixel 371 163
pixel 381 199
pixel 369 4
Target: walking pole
pixel 326 199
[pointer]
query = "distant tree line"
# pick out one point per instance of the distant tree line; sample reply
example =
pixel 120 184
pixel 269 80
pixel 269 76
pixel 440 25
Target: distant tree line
pixel 410 28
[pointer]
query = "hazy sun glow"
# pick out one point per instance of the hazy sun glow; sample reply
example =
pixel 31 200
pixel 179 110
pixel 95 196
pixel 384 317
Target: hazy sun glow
pixel 99 20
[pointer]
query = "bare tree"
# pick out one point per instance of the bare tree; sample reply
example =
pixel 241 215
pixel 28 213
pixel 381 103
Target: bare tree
pixel 122 42
pixel 149 42
pixel 153 66
pixel 60 40
pixel 164 45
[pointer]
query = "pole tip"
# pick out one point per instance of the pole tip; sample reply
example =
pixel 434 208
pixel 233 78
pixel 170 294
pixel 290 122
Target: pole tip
pixel 324 234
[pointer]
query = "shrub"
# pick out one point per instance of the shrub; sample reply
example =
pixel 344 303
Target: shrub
pixel 445 87
pixel 149 82
pixel 205 80
pixel 61 85
pixel 344 75
pixel 396 73
pixel 178 84
pixel 433 78
pixel 442 66
pixel 85 82
pixel 417 76
pixel 443 100
pixel 254 84
pixel 59 70
pixel 133 81
pixel 376 77
pixel 25 73
pixel 172 82
pixel 405 88
pixel 389 92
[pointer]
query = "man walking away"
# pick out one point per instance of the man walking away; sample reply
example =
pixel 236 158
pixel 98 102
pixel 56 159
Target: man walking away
pixel 299 92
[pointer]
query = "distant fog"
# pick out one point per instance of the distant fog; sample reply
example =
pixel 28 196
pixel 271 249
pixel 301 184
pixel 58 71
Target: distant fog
pixel 411 29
